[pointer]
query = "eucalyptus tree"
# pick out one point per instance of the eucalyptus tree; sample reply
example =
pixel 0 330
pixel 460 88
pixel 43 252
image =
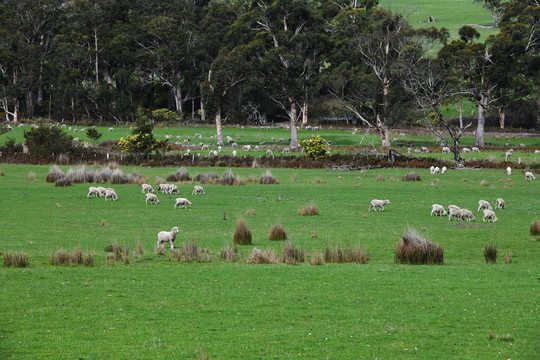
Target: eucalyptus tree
pixel 495 7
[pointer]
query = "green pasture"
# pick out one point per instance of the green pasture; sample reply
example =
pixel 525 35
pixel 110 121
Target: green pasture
pixel 158 308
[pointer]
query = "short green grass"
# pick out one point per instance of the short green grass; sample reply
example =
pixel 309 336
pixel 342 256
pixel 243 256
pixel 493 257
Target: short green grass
pixel 156 308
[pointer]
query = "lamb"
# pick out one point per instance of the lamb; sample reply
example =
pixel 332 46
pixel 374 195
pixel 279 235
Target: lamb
pixel 437 210
pixel 110 194
pixel 378 204
pixel 167 236
pixel 198 190
pixel 453 211
pixel 466 150
pixel 147 187
pixel 425 149
pixel 443 170
pixel 182 201
pixel 436 171
pixel 508 155
pixel 466 214
pixel 500 204
pixel 475 149
pixel 483 204
pixel 431 169
pixel 529 176
pixel 269 152
pixel 286 150
pixel 111 129
pixel 446 150
pixel 247 147
pixel 509 171
pixel 152 198
pixel 94 191
pixel 490 215
pixel 234 153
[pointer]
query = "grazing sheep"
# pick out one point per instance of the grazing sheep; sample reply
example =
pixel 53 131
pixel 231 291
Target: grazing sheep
pixel 431 169
pixel 147 187
pixel 443 170
pixel 409 150
pixel 490 215
pixel 475 149
pixel 509 171
pixel 500 204
pixel 152 198
pixel 466 150
pixel 182 201
pixel 163 188
pixel 234 153
pixel 508 155
pixel 257 149
pixel 247 147
pixel 529 176
pixel 286 150
pixel 167 236
pixel 110 194
pixel 173 190
pixel 436 171
pixel 437 210
pixel 234 145
pixel 417 151
pixel 205 147
pixel 269 152
pixel 483 204
pixel 453 211
pixel 378 204
pixel 94 191
pixel 425 149
pixel 111 129
pixel 466 214
pixel 446 150
pixel 198 190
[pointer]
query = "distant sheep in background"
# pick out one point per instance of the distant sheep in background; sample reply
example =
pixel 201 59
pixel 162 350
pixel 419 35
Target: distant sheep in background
pixel 446 150
pixel 509 171
pixel 466 150
pixel 167 236
pixel 529 176
pixel 443 170
pixel 475 149
pixel 437 210
pixel 198 190
pixel 378 204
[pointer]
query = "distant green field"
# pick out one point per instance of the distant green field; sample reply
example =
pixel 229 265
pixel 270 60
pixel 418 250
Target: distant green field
pixel 160 309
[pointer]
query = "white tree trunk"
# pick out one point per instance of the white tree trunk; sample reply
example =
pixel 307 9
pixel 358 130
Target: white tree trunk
pixel 218 128
pixel 384 132
pixel 305 113
pixel 177 93
pixel 294 130
pixel 482 105
pixel 502 117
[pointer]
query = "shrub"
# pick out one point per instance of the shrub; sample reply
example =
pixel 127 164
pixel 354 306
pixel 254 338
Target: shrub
pixel 380 178
pixel 277 232
pixel 209 178
pixel 64 182
pixel 268 178
pixel 32 176
pixel 242 235
pixel 93 134
pixel 315 148
pixel 227 178
pixel 412 176
pixel 17 259
pixel 415 249
pixel 46 141
pixel 316 258
pixel 292 255
pixel 309 210
pixel 228 253
pixel 490 253
pixel 55 174
pixel 180 175
pixel 535 228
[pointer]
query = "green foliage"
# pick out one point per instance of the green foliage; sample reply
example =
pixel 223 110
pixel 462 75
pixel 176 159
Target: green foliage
pixel 142 141
pixel 93 134
pixel 315 147
pixel 468 33
pixel 164 115
pixel 45 141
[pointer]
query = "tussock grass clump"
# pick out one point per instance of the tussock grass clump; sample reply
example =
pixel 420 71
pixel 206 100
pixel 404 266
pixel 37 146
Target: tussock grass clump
pixel 228 252
pixel 242 234
pixel 2 173
pixel 534 230
pixel 316 258
pixel 16 259
pixel 294 178
pixel 190 251
pixel 508 257
pixel 55 174
pixel 268 178
pixel 308 210
pixel 412 176
pixel 160 251
pixel 355 254
pixel 258 256
pixel 104 176
pixel 139 248
pixel 292 255
pixel 125 256
pixel 73 257
pixel 415 249
pixel 252 179
pixel 334 255
pixel 380 178
pixel 277 232
pixel 63 182
pixel 180 175
pixel 490 253
pixel 484 183
pixel 239 181
pixel 251 212
pixel 115 249
pixel 318 180
pixel 210 178
pixel 227 178
pixel 59 257
pixel 159 180
pixel 32 176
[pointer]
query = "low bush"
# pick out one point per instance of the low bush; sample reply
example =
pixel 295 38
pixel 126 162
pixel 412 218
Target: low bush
pixel 277 232
pixel 412 176
pixel 534 230
pixel 380 178
pixel 242 234
pixel 415 249
pixel 227 178
pixel 490 253
pixel 180 175
pixel 268 178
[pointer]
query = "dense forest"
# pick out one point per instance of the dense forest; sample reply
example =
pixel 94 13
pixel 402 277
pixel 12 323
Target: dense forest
pixel 254 61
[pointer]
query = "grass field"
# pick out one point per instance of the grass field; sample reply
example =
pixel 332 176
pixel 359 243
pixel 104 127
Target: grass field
pixel 158 308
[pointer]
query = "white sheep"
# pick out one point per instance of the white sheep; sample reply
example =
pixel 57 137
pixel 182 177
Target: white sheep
pixel 269 152
pixel 247 147
pixel 163 188
pixel 94 191
pixel 483 204
pixel 234 153
pixel 490 215
pixel 529 176
pixel 286 150
pixel 507 155
pixel 509 171
pixel 425 149
pixel 475 149
pixel 431 169
pixel 111 194
pixel 466 150
pixel 437 210
pixel 443 170
pixel 173 190
pixel 147 187
pixel 111 129
pixel 182 201
pixel 500 204
pixel 378 204
pixel 446 150
pixel 198 190
pixel 152 198
pixel 436 171
pixel 465 214
pixel 167 236
pixel 453 211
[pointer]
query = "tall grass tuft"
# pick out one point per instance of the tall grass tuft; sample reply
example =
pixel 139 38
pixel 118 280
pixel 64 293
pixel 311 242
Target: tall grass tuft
pixel 412 176
pixel 104 176
pixel 63 182
pixel 316 258
pixel 125 256
pixel 334 255
pixel 257 256
pixel 16 259
pixel 159 180
pixel 139 247
pixel 535 228
pixel 59 257
pixel 268 178
pixel 242 234
pixel 227 178
pixel 490 253
pixel 484 183
pixel 228 252
pixel 355 254
pixel 55 174
pixel 508 257
pixel 292 255
pixel 415 249
pixel 180 175
pixel 308 210
pixel 277 232
pixel 32 176
pixel 190 251
pixel 73 257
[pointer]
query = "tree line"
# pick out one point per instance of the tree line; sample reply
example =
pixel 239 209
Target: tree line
pixel 102 61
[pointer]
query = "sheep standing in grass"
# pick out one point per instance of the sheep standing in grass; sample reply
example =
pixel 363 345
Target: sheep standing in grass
pixel 111 194
pixel 475 149
pixel 453 211
pixel 443 170
pixel 436 171
pixel 163 188
pixel 466 150
pixel 465 214
pixel 378 204
pixel 437 210
pixel 508 155
pixel 172 190
pixel 147 187
pixel 483 204
pixel 446 150
pixel 182 201
pixel 94 191
pixel 167 236
pixel 509 171
pixel 529 176
pixel 198 190
pixel 151 198
pixel 490 215
pixel 431 169
pixel 500 204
